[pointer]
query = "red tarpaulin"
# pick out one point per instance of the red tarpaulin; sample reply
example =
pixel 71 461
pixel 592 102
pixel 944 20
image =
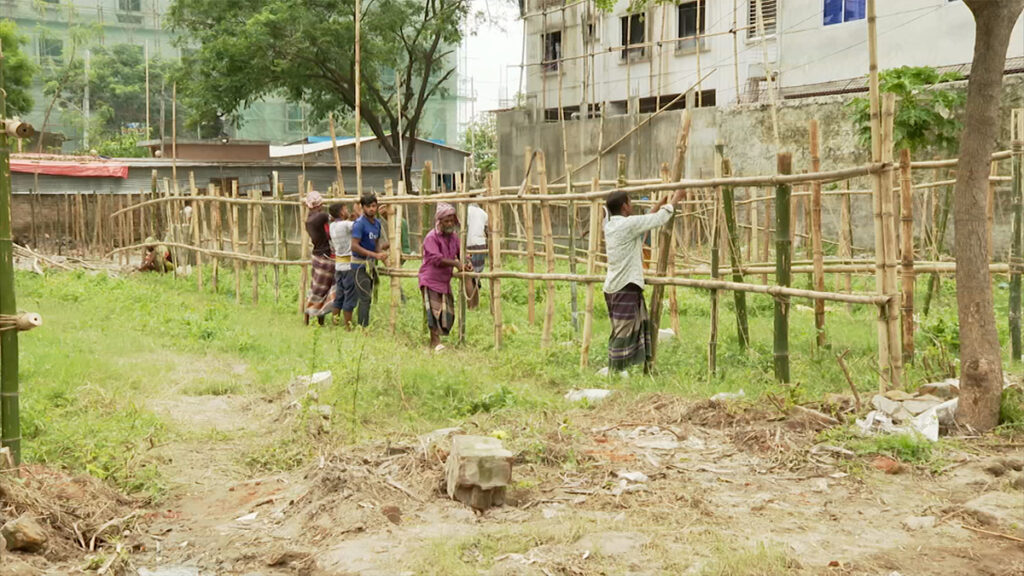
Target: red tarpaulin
pixel 96 169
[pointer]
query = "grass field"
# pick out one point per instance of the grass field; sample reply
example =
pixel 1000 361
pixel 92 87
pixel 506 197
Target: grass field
pixel 110 343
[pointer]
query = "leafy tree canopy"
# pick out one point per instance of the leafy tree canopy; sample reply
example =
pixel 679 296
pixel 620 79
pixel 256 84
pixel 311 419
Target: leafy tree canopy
pixel 926 113
pixel 304 50
pixel 480 139
pixel 18 69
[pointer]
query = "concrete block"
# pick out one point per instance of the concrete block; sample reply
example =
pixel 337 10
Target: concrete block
pixel 478 470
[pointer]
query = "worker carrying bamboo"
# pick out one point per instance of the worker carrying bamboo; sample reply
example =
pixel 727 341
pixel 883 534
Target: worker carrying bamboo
pixel 630 340
pixel 156 258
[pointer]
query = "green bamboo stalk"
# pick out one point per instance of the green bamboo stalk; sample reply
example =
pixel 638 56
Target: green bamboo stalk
pixel 783 262
pixel 716 248
pixel 10 423
pixel 1017 247
pixel 735 258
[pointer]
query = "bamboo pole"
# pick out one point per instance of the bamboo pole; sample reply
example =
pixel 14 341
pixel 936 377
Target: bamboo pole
pixel 462 210
pixel 531 295
pixel 716 248
pixel 1017 242
pixel 395 248
pixel 937 246
pixel 426 188
pixel 667 231
pixel 339 183
pixel 991 210
pixel 213 190
pixel 783 256
pixel 593 246
pixel 306 244
pixel 673 300
pixel 846 236
pixel 194 229
pixel 255 231
pixel 768 239
pixel 735 258
pixel 907 273
pixel 234 243
pixel 573 301
pixel 892 309
pixel 280 245
pixel 816 247
pixel 495 246
pixel 549 253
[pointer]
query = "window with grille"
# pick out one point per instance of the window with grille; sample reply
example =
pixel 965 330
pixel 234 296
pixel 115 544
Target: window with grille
pixel 552 43
pixel 634 28
pixel 839 11
pixel 769 10
pixel 691 18
pixel 129 5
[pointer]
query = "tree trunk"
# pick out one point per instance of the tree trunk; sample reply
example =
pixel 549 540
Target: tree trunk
pixel 981 377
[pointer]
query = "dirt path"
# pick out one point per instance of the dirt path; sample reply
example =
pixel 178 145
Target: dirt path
pixel 720 487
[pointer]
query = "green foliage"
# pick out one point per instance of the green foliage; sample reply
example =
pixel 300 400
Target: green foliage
pixel 908 447
pixel 303 50
pixel 1011 409
pixel 481 141
pixel 926 114
pixel 117 96
pixel 18 69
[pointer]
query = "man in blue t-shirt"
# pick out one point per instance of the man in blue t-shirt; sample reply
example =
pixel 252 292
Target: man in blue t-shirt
pixel 365 252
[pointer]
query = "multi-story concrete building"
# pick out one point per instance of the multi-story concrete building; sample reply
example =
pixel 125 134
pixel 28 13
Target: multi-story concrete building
pixel 632 61
pixel 47 25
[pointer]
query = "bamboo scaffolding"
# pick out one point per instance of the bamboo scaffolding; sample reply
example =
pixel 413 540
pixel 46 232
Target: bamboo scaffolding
pixel 846 238
pixel 668 230
pixel 462 211
pixel 194 229
pixel 816 234
pixel 215 225
pixel 716 235
pixel 1017 242
pixel 907 275
pixel 673 300
pixel 280 245
pixel 395 250
pixel 783 257
pixel 255 242
pixel 306 243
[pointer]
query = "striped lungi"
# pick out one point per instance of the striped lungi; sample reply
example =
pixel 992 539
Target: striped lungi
pixel 320 300
pixel 440 309
pixel 630 340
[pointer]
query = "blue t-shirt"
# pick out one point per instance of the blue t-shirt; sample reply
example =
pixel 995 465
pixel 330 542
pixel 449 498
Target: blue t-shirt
pixel 367 233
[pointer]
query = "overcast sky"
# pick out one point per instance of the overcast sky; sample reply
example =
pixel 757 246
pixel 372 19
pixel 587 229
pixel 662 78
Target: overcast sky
pixel 490 56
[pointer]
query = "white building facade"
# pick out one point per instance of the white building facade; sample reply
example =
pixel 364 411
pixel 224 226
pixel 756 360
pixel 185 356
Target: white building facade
pixel 636 61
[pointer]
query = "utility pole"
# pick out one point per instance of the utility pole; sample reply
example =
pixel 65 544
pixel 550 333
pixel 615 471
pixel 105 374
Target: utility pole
pixel 10 423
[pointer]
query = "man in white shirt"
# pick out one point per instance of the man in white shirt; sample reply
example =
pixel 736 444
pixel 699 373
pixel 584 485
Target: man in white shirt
pixel 476 244
pixel 343 218
pixel 630 340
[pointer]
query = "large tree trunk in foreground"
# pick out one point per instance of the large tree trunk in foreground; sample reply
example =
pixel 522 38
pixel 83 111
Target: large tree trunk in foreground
pixel 981 377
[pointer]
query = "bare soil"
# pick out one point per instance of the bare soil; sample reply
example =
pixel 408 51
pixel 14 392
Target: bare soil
pixel 721 479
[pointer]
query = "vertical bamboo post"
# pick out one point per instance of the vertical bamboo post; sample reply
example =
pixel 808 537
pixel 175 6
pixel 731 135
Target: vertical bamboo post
pixel 153 214
pixel 846 236
pixel 716 250
pixel 339 184
pixel 753 250
pixel 673 300
pixel 938 242
pixel 549 257
pixel 97 238
pixel 395 250
pixel 306 247
pixel 426 186
pixel 783 261
pixel 908 277
pixel 194 229
pixel 735 258
pixel 666 232
pixel 274 182
pixel 1017 242
pixel 496 226
pixel 255 230
pixel 234 243
pixel 768 239
pixel 890 288
pixel 531 250
pixel 573 302
pixel 815 233
pixel 214 192
pixel 593 246
pixel 463 210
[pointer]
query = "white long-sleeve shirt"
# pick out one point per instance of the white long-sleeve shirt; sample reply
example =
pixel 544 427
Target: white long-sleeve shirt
pixel 624 241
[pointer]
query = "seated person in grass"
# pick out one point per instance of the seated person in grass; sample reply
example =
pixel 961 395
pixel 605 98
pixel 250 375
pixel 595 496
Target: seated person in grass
pixel 630 339
pixel 440 256
pixel 342 221
pixel 157 257
pixel 367 248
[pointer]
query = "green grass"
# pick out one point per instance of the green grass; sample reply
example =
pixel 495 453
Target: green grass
pixel 762 560
pixel 108 345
